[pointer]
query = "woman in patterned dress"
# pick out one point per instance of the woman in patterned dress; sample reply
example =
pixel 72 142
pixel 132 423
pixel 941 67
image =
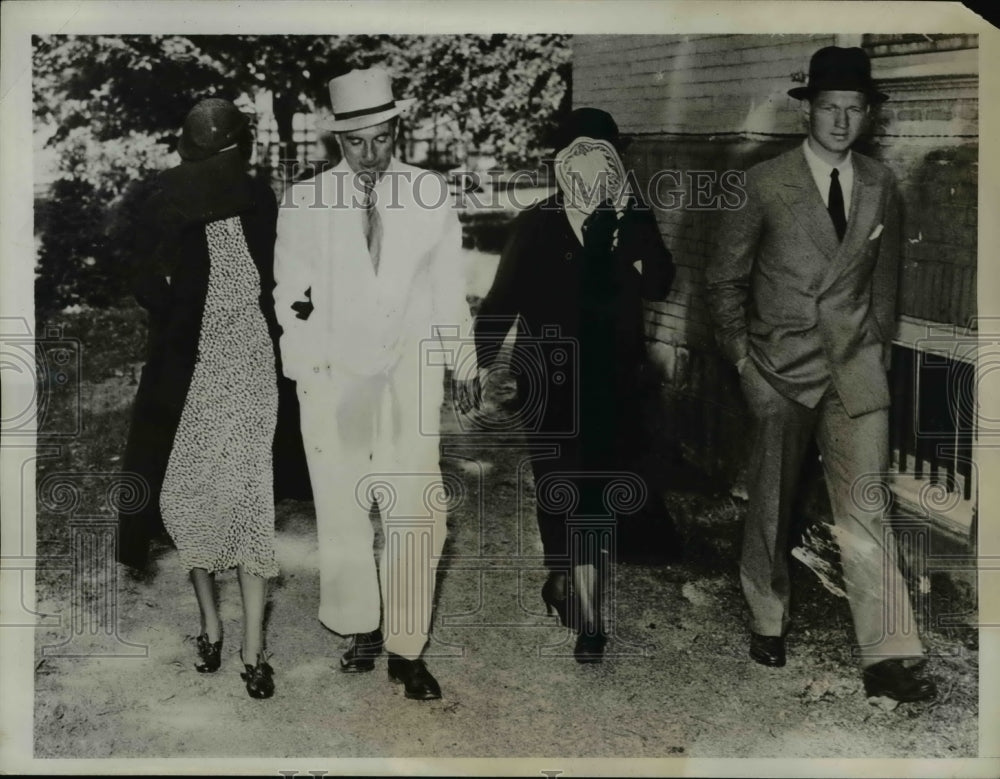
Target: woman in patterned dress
pixel 206 409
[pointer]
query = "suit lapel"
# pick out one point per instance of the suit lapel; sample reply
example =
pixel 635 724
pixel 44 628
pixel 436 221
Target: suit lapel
pixel 805 202
pixel 865 199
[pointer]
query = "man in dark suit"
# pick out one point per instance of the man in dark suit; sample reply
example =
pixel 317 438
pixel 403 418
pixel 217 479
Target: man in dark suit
pixel 802 289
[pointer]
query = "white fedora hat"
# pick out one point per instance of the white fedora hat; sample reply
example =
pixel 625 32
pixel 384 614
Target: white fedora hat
pixel 363 98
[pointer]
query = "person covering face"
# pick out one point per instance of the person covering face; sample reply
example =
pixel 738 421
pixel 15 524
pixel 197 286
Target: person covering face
pixel 573 276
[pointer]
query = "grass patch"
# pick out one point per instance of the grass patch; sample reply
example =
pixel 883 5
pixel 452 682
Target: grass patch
pixel 87 378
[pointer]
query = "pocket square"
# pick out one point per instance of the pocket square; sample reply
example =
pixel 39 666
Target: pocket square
pixel 876 232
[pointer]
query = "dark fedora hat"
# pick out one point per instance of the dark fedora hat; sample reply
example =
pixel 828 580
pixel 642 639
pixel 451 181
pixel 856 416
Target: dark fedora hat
pixel 591 123
pixel 212 125
pixel 838 69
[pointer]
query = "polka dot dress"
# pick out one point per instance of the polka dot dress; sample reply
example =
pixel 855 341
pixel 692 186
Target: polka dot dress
pixel 218 493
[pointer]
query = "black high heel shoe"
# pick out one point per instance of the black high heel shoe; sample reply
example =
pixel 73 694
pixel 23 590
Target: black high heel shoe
pixel 210 655
pixel 555 593
pixel 259 681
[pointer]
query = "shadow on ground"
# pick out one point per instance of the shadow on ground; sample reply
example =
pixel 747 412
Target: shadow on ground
pixel 676 681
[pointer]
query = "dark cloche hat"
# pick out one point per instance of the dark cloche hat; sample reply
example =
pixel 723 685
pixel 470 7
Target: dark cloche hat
pixel 834 69
pixel 212 125
pixel 589 122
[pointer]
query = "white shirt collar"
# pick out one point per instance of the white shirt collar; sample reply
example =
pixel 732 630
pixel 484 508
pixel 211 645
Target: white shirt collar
pixel 821 170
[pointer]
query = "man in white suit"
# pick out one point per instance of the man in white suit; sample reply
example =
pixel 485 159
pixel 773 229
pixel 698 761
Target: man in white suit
pixel 370 285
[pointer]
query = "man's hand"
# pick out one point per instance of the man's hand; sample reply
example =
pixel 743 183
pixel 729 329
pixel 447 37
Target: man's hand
pixel 303 308
pixel 630 245
pixel 468 394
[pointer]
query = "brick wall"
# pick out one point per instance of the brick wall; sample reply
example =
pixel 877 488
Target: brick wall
pixel 928 135
pixel 718 102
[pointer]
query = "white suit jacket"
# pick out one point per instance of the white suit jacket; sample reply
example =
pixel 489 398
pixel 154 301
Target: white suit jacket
pixel 363 322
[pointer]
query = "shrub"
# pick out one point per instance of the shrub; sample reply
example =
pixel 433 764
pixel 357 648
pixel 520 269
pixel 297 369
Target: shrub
pixel 84 223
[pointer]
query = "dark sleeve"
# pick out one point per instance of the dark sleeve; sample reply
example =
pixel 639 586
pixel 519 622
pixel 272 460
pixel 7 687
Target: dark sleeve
pixel 152 254
pixel 260 227
pixel 264 231
pixel 502 304
pixel 640 241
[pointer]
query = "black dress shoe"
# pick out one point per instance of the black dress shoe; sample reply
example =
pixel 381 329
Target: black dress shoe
pixel 417 680
pixel 258 678
pixel 891 679
pixel 767 650
pixel 210 655
pixel 590 646
pixel 360 657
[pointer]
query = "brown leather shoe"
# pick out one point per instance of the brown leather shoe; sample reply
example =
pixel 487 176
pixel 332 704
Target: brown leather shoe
pixel 767 650
pixel 891 679
pixel 360 657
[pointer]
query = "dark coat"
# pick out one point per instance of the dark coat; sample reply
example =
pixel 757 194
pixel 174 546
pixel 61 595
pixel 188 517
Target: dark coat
pixel 170 280
pixel 589 305
pixel 579 360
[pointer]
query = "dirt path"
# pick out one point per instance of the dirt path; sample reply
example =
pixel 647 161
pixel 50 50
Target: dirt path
pixel 677 681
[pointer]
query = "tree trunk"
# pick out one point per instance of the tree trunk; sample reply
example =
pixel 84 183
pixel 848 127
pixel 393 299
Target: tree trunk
pixel 284 105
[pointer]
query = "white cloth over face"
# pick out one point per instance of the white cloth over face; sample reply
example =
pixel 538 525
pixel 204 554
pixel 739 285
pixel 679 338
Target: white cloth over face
pixel 369 363
pixel 588 172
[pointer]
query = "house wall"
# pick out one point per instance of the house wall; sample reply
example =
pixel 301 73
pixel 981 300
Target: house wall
pixel 700 105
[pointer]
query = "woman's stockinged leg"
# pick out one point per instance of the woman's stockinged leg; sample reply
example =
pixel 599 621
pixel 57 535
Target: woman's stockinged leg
pixel 210 638
pixel 204 591
pixel 253 589
pixel 257 673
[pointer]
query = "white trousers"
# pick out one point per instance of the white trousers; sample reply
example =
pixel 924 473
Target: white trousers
pixel 376 439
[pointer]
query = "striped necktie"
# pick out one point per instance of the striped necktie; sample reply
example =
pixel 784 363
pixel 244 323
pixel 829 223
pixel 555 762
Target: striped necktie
pixel 372 222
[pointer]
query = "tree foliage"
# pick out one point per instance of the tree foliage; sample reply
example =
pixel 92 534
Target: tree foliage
pixel 113 85
pixel 497 93
pixel 113 105
pixel 500 92
pixel 147 83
